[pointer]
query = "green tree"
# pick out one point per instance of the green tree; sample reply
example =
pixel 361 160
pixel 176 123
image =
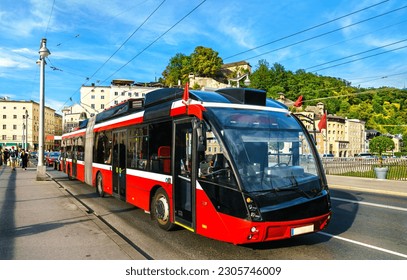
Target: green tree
pixel 206 62
pixel 178 69
pixel 261 78
pixel 379 145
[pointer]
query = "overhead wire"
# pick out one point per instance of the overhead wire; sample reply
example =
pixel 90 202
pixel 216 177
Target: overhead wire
pixel 356 54
pixel 306 30
pixel 49 19
pixel 343 41
pixel 369 56
pixel 158 38
pixel 128 38
pixel 326 33
pixel 149 45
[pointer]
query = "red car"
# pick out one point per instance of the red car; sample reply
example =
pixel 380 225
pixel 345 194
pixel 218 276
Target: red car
pixel 51 158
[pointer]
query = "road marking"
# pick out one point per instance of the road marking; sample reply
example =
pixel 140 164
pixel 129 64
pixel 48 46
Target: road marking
pixel 371 204
pixel 364 244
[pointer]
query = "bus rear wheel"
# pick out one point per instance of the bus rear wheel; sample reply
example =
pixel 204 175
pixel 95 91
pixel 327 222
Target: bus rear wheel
pixel 161 210
pixel 99 185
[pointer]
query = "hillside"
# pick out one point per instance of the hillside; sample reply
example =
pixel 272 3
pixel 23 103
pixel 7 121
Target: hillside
pixel 383 109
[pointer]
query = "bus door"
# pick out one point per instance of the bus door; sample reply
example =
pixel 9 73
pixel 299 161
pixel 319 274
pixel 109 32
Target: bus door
pixel 75 158
pixel 119 164
pixel 184 174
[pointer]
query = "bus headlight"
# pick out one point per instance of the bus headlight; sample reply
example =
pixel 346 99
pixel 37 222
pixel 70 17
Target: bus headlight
pixel 253 209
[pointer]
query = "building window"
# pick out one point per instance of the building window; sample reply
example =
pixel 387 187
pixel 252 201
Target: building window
pixel 14 126
pixel 92 106
pixel 129 94
pixel 4 116
pixel 4 126
pixel 92 96
pixel 102 97
pixel 14 116
pixel 116 102
pixel 123 93
pixel 4 137
pixel 102 106
pixel 14 137
pixel 116 93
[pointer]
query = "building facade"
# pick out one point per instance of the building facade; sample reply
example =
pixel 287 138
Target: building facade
pixel 19 124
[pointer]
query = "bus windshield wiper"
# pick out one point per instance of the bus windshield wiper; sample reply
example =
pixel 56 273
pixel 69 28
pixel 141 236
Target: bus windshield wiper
pixel 296 189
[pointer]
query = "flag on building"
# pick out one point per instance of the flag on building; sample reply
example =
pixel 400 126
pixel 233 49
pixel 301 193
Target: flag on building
pixel 322 122
pixel 298 103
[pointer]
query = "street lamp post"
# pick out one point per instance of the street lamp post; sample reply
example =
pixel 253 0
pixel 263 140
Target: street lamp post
pixel 41 168
pixel 26 130
pixel 237 80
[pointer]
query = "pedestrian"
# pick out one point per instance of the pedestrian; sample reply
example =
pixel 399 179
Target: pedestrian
pixel 13 158
pixel 5 156
pixel 24 159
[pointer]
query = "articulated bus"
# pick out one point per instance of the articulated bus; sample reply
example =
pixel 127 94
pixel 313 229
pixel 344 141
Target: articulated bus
pixel 231 164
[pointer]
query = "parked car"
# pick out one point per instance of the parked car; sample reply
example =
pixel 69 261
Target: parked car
pixel 51 158
pixel 366 155
pixel 34 155
pixel 330 156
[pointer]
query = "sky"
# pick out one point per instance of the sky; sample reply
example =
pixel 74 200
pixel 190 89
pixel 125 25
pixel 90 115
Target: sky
pixel 95 41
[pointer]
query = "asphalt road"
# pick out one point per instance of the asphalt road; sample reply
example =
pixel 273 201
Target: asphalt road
pixel 365 226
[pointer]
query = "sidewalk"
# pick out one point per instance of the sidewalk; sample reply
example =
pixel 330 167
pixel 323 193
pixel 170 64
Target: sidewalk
pixel 389 187
pixel 40 221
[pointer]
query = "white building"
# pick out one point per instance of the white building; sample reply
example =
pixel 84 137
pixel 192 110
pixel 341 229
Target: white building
pixel 19 124
pixel 95 99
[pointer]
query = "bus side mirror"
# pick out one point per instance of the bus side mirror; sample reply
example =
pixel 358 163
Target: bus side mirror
pixel 200 133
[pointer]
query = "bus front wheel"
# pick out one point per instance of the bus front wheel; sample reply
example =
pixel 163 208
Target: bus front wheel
pixel 99 185
pixel 161 210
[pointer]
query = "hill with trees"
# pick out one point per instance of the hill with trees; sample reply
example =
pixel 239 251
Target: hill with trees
pixel 383 109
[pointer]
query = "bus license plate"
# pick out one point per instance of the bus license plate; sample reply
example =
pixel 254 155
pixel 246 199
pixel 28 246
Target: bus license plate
pixel 302 230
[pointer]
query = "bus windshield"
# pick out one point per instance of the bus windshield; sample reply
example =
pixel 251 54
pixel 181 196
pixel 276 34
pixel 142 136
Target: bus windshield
pixel 270 150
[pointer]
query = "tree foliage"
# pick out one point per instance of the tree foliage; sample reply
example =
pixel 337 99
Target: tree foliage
pixel 203 62
pixel 383 109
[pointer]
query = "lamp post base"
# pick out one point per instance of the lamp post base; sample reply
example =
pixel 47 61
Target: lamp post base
pixel 41 173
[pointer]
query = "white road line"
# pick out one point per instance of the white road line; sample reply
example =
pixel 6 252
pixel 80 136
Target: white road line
pixel 364 244
pixel 371 204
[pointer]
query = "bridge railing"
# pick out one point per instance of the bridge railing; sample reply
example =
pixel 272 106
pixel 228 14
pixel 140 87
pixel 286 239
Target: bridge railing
pixel 364 167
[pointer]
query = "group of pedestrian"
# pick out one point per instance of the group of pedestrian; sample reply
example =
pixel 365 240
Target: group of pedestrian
pixel 12 157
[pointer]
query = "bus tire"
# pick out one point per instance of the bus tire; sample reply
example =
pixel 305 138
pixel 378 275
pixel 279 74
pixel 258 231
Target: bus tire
pixel 161 210
pixel 99 185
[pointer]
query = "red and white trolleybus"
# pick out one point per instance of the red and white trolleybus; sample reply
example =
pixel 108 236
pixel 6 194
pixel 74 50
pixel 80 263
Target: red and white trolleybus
pixel 231 165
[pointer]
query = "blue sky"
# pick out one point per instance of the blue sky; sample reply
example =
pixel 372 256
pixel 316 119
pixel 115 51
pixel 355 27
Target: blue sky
pixel 95 41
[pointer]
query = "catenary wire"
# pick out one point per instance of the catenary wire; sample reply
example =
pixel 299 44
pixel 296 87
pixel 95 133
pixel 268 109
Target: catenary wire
pixel 326 33
pixel 305 30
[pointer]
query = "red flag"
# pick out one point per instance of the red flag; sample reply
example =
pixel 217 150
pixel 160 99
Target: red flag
pixel 322 122
pixel 185 97
pixel 298 103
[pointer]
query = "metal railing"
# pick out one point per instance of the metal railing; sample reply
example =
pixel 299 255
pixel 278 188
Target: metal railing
pixel 364 167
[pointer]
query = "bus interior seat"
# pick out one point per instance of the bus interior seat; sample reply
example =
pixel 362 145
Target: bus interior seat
pixel 164 156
